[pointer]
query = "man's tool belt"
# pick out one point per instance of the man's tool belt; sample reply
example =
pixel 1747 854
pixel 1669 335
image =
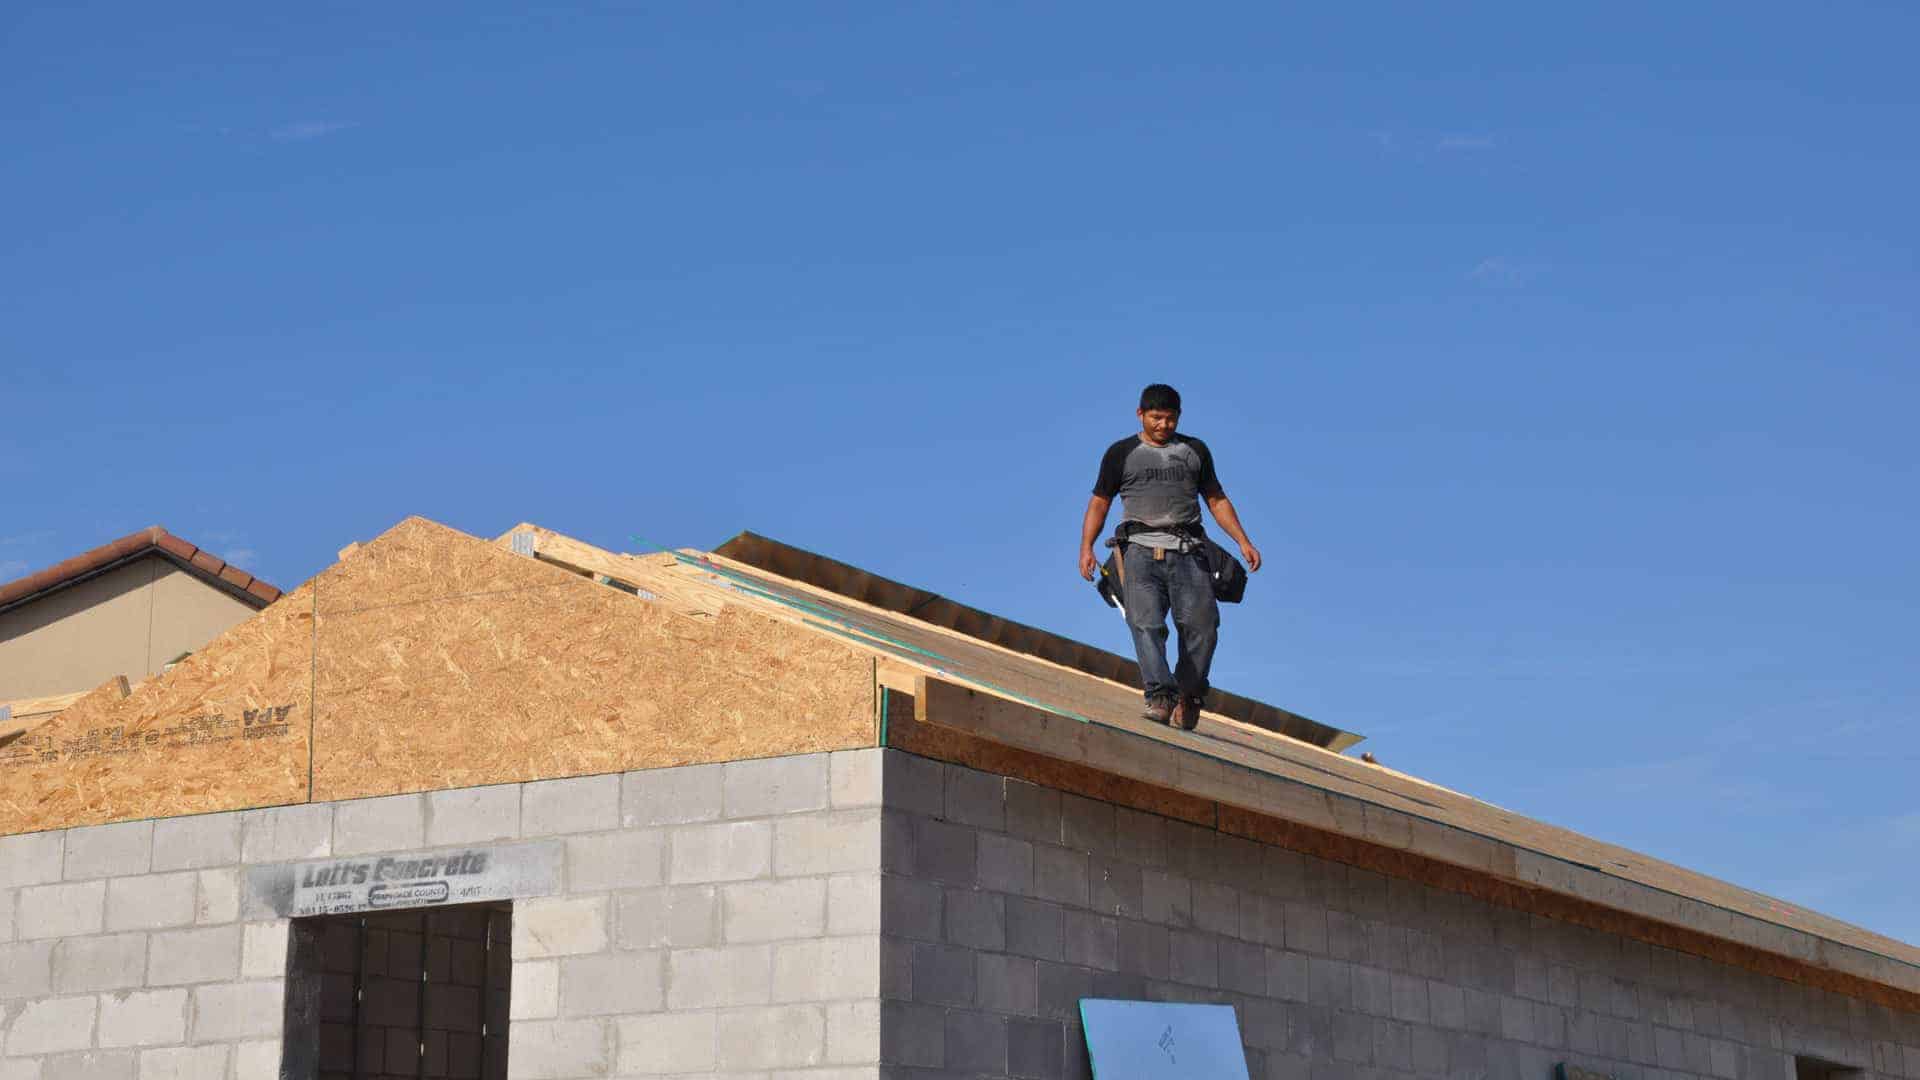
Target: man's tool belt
pixel 1228 576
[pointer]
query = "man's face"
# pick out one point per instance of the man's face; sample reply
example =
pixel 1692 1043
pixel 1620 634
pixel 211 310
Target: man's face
pixel 1157 425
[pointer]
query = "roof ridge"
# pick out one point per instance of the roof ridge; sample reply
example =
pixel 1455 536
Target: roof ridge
pixel 154 538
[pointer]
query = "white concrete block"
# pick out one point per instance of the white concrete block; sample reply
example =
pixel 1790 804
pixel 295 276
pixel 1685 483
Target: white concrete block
pixel 772 910
pixel 728 851
pixel 31 859
pixel 263 949
pixel 226 1012
pixel 779 1036
pixel 854 777
pixel 219 897
pixel 853 904
pixel 608 983
pixel 51 1025
pixel 559 1049
pixel 186 1063
pixel 257 1059
pixel 574 805
pixel 390 823
pixel 536 991
pixel 708 978
pixel 287 833
pixel 670 796
pixel 109 850
pixel 152 901
pixel 769 786
pixel 559 926
pixel 61 910
pixel 205 954
pixel 191 843
pixel 473 815
pixel 622 860
pixel 112 962
pixel 827 969
pixel 143 1018
pixel 827 843
pixel 26 970
pixel 91 1065
pixel 667 1044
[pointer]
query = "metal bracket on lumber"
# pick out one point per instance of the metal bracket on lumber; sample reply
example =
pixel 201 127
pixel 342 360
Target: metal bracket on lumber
pixel 523 542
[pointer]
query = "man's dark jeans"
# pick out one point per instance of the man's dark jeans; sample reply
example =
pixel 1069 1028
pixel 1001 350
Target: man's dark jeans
pixel 1178 584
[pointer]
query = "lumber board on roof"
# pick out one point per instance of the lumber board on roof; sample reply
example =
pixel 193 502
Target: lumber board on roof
pixel 761 553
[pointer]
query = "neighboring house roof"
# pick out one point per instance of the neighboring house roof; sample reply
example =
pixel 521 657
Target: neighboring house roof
pixel 153 540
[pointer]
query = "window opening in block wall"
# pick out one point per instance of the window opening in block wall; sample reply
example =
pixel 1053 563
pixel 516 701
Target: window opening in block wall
pixel 1813 1068
pixel 400 995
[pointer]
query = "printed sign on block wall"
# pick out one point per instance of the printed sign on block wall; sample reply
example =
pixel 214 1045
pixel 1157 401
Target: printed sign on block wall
pixel 404 880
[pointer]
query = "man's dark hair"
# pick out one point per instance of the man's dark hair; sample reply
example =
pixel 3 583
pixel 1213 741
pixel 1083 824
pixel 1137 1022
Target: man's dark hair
pixel 1160 396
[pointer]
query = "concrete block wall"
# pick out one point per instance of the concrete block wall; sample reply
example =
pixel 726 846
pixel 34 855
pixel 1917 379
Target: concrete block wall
pixel 713 920
pixel 1004 903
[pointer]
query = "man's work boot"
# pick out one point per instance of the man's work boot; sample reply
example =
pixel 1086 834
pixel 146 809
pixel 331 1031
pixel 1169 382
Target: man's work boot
pixel 1159 710
pixel 1186 715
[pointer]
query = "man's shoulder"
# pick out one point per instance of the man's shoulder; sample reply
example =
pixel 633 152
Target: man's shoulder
pixel 1123 446
pixel 1192 441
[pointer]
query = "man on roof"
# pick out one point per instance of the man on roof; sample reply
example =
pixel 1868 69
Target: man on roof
pixel 1161 476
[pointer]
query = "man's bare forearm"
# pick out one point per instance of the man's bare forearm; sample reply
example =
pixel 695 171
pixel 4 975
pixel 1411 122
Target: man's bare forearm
pixel 1229 519
pixel 1095 521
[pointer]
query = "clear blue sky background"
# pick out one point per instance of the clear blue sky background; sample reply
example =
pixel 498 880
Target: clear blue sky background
pixel 1563 363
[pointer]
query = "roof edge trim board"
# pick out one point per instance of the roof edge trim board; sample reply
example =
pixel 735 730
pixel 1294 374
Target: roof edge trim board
pixel 153 540
pixel 1507 870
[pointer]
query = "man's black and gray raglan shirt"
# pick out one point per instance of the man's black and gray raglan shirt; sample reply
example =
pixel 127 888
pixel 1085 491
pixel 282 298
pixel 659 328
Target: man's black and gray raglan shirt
pixel 1159 486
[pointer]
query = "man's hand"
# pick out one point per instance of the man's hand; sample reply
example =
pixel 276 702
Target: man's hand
pixel 1251 555
pixel 1088 564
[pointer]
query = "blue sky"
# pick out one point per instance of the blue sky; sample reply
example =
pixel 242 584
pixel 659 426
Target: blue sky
pixel 1563 364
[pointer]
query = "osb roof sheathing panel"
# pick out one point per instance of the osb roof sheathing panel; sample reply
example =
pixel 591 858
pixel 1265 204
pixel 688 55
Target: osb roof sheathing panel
pixel 430 659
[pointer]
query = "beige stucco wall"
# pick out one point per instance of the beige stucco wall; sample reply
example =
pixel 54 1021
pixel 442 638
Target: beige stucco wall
pixel 129 621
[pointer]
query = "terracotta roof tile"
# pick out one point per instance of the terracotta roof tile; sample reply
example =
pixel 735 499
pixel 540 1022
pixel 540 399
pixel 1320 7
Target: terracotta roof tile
pixel 203 564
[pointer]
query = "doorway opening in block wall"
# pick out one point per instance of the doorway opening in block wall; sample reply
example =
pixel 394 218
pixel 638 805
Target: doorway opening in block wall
pixel 400 995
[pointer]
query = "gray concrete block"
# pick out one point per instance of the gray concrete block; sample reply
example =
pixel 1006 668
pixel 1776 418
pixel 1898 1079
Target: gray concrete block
pixel 473 815
pixel 827 969
pixel 559 926
pixel 1087 824
pixel 6 917
pixel 1410 1003
pixel 60 910
pixel 391 823
pixel 31 858
pixel 1347 938
pixel 775 1036
pixel 1516 1019
pixel 152 901
pixel 1446 1006
pixel 976 1043
pixel 724 851
pixel 561 1049
pixel 912 909
pixel 287 833
pixel 225 1012
pixel 536 990
pixel 1139 837
pixel 972 797
pixel 1061 988
pixel 109 850
pixel 26 970
pixel 1033 812
pixel 1114 887
pixel 263 949
pixel 1352 1038
pixel 1329 982
pixel 943 975
pixel 111 962
pixel 1193 958
pixel 606 983
pixel 92 1065
pixel 1034 928
pixel 634 859
pixel 912 1035
pixel 1007 984
pixel 575 804
pixel 769 786
pixel 1287 975
pixel 143 1018
pixel 856 778
pixel 190 843
pixel 1005 864
pixel 682 917
pixel 1091 940
pixel 217 896
pixel 1060 875
pixel 1372 990
pixel 976 919
pixel 201 955
pixel 192 1062
pixel 853 1032
pixel 1166 898
pixel 914 785
pixel 896 969
pixel 716 977
pixel 1243 967
pixel 946 853
pixel 1263 919
pixel 1035 1049
pixel 853 904
pixel 1144 949
pixel 666 1044
pixel 1307 928
pixel 1216 908
pixel 1264 1023
pixel 51 1025
pixel 841 842
pixel 1392 1045
pixel 773 910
